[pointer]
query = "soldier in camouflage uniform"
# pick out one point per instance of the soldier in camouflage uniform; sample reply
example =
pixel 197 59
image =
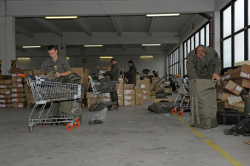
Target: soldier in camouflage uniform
pixel 203 63
pixel 58 65
pixel 114 74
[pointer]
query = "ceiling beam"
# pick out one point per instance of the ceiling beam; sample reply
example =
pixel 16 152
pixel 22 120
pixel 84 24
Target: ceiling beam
pixel 81 48
pixel 150 31
pixel 24 31
pixel 82 25
pixel 20 49
pixel 124 47
pixel 48 25
pixel 117 29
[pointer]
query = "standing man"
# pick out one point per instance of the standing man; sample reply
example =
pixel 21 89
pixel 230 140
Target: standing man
pixel 203 63
pixel 155 74
pixel 114 74
pixel 131 74
pixel 58 65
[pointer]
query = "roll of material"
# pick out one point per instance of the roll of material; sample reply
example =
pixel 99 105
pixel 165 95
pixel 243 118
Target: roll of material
pixel 247 107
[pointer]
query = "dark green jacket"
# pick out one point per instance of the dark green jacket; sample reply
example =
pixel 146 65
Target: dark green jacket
pixel 61 65
pixel 114 72
pixel 203 69
pixel 131 74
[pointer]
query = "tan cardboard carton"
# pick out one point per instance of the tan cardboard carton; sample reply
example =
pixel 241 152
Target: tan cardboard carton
pixel 155 79
pixel 84 81
pixel 17 90
pixel 129 92
pixel 139 96
pixel 167 83
pixel 223 96
pixel 233 87
pixel 120 92
pixel 30 99
pixel 36 72
pixel 78 70
pixel 151 86
pixel 146 92
pixel 18 95
pixel 5 91
pixel 19 105
pixel 138 77
pixel 15 70
pixel 166 99
pixel 5 96
pixel 6 101
pixel 90 95
pixel 222 104
pixel 147 81
pixel 6 105
pixel 129 103
pixel 16 79
pixel 138 81
pixel 139 91
pixel 129 97
pixel 243 82
pixel 17 85
pixel 27 88
pixel 5 79
pixel 168 90
pixel 139 102
pixel 120 102
pixel 5 86
pixel 240 106
pixel 144 86
pixel 18 100
pixel 128 86
pixel 145 76
pixel 27 72
pixel 121 80
pixel 120 87
pixel 86 71
pixel 120 97
pixel 145 97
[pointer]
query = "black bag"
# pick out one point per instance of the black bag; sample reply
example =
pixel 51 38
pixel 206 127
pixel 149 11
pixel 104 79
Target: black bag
pixel 229 116
pixel 160 94
pixel 161 107
pixel 242 128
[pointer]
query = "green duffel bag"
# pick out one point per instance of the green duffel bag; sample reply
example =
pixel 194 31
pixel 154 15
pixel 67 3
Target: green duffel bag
pixel 71 108
pixel 161 107
pixel 204 91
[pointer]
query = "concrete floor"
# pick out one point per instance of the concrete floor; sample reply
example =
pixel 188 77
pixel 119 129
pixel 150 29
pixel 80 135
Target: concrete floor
pixel 131 136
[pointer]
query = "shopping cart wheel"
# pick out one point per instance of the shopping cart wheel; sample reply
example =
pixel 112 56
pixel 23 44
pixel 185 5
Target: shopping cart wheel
pixel 76 123
pixel 174 110
pixel 42 124
pixel 180 113
pixel 30 129
pixel 69 126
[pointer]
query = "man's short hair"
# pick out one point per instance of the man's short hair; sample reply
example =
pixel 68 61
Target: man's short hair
pixel 153 71
pixel 131 62
pixel 196 49
pixel 51 47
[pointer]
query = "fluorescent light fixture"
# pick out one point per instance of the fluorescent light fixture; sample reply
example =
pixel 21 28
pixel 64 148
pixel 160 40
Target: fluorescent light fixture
pixel 23 58
pixel 31 46
pixel 61 17
pixel 146 56
pixel 106 57
pixel 67 57
pixel 93 45
pixel 162 15
pixel 151 44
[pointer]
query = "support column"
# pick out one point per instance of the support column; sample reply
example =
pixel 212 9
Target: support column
pixel 62 51
pixel 181 59
pixel 217 32
pixel 2 45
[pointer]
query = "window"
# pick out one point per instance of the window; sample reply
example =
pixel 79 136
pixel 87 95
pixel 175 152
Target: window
pixel 174 63
pixel 235 36
pixel 200 37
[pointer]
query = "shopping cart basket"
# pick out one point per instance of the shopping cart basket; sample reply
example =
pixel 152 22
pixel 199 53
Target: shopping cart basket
pixel 46 91
pixel 181 91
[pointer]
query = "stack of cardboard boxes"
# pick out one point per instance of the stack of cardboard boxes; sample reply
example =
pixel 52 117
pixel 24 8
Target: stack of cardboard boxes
pixel 120 92
pixel 235 86
pixel 129 94
pixel 105 97
pixel 27 89
pixel 18 95
pixel 102 71
pixel 144 86
pixel 5 91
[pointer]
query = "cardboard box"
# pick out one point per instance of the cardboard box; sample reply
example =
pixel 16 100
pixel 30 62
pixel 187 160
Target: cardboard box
pixel 129 97
pixel 77 70
pixel 129 92
pixel 145 76
pixel 27 88
pixel 138 82
pixel 17 85
pixel 19 105
pixel 30 99
pixel 240 106
pixel 167 83
pixel 120 97
pixel 168 90
pixel 36 72
pixel 27 72
pixel 5 79
pixel 90 95
pixel 129 103
pixel 166 99
pixel 233 87
pixel 151 86
pixel 120 87
pixel 244 68
pixel 145 97
pixel 155 79
pixel 120 102
pixel 7 101
pixel 147 81
pixel 139 96
pixel 139 102
pixel 121 80
pixel 224 96
pixel 84 81
pixel 138 77
pixel 243 82
pixel 15 70
pixel 5 96
pixel 18 100
pixel 6 105
pixel 139 91
pixel 17 90
pixel 222 104
pixel 5 86
pixel 5 91
pixel 16 79
pixel 162 85
pixel 146 92
pixel 234 101
pixel 18 95
pixel 128 86
pixel 120 92
pixel 86 71
pixel 144 86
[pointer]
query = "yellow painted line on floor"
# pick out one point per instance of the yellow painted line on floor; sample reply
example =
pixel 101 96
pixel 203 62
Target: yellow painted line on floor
pixel 191 128
pixel 222 152
pixel 227 156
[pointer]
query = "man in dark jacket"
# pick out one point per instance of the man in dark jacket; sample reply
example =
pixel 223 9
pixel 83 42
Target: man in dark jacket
pixel 155 74
pixel 203 63
pixel 114 74
pixel 131 74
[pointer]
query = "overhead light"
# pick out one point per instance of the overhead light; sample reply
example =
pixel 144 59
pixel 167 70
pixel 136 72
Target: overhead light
pixel 61 17
pixel 151 44
pixel 93 45
pixel 23 58
pixel 67 57
pixel 162 15
pixel 146 56
pixel 31 46
pixel 106 57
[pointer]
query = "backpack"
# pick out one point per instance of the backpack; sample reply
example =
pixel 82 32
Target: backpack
pixel 161 107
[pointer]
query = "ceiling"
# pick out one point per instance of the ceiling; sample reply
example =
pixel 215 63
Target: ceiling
pixel 122 26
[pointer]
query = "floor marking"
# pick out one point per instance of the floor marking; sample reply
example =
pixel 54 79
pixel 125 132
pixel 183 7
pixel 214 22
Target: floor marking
pixel 222 152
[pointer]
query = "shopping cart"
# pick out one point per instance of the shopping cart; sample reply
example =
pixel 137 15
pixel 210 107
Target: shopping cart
pixel 99 88
pixel 181 91
pixel 48 92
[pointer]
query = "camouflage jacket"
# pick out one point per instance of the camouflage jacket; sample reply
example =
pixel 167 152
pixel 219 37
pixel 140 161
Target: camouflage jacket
pixel 195 66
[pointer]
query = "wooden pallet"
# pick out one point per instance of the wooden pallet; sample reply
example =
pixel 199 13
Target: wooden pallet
pixel 247 142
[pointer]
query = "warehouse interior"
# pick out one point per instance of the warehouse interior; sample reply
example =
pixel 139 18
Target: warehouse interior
pixel 131 136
